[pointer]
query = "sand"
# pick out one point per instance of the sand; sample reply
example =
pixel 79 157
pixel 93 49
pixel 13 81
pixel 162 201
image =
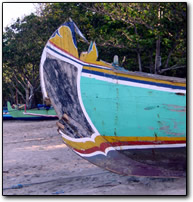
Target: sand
pixel 37 162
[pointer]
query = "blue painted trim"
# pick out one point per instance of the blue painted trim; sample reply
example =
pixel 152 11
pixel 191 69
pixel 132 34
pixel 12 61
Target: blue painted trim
pixel 69 25
pixel 56 33
pixel 80 63
pixel 117 77
pixel 90 47
pixel 132 80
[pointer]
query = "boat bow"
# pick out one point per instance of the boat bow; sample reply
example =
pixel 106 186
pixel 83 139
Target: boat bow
pixel 60 72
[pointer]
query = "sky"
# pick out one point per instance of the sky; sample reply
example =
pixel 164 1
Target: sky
pixel 11 11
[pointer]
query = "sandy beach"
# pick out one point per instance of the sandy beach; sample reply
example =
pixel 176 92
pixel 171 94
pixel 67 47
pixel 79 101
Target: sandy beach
pixel 37 162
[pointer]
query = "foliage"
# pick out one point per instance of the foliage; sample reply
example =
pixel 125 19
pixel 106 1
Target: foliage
pixel 140 33
pixel 141 25
pixel 22 46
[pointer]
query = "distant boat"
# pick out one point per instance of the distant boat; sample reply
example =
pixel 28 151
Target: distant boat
pixel 40 113
pixel 6 115
pixel 130 123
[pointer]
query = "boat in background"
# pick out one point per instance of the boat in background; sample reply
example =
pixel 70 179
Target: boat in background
pixel 40 113
pixel 130 123
pixel 6 114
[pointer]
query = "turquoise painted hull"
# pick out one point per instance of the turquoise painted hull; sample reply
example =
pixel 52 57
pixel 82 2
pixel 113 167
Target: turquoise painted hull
pixel 126 122
pixel 120 110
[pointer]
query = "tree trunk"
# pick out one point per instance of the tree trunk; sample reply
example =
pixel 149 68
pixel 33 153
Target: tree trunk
pixel 151 63
pixel 31 97
pixel 12 95
pixel 157 57
pixel 138 52
pixel 139 61
pixel 27 97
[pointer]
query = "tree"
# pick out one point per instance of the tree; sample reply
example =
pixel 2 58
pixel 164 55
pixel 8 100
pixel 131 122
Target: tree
pixel 22 47
pixel 148 37
pixel 149 25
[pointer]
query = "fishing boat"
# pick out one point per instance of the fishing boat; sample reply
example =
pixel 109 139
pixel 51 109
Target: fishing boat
pixel 6 115
pixel 39 113
pixel 130 123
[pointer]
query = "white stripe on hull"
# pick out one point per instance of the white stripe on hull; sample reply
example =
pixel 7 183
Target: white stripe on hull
pixel 126 147
pixel 76 62
pixel 40 115
pixel 134 84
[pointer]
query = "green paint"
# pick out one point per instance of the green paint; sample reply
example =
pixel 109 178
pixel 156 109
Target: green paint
pixel 133 111
pixel 15 113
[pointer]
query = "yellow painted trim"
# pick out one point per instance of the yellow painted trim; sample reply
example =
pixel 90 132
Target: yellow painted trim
pixel 65 42
pixel 134 139
pixel 111 139
pixel 134 77
pixel 85 145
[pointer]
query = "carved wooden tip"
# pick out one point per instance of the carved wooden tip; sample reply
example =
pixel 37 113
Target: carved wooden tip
pixel 59 125
pixel 65 117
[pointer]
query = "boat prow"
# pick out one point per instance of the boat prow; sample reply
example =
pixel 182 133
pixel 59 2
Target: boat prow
pixel 128 123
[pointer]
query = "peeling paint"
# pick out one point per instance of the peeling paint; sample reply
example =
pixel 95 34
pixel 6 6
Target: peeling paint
pixel 175 108
pixel 167 130
pixel 164 128
pixel 115 132
pixel 176 134
pixel 182 94
pixel 175 124
pixel 151 107
pixel 155 134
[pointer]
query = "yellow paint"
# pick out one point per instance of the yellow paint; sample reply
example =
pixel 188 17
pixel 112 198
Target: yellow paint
pixel 134 77
pixel 65 42
pixel 92 56
pixel 101 63
pixel 141 139
pixel 85 145
pixel 111 139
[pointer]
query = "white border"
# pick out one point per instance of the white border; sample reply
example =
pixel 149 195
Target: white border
pixel 39 115
pixel 126 147
pixel 79 68
pixel 130 83
pixel 102 78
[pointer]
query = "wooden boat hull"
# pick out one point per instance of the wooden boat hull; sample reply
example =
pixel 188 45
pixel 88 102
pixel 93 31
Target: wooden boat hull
pixel 31 114
pixel 128 123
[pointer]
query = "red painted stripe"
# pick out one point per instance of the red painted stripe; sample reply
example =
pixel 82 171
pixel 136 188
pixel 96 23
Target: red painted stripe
pixel 64 50
pixel 105 145
pixel 78 58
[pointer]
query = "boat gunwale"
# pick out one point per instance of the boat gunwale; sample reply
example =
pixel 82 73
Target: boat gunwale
pixel 141 76
pixel 153 76
pixel 127 72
